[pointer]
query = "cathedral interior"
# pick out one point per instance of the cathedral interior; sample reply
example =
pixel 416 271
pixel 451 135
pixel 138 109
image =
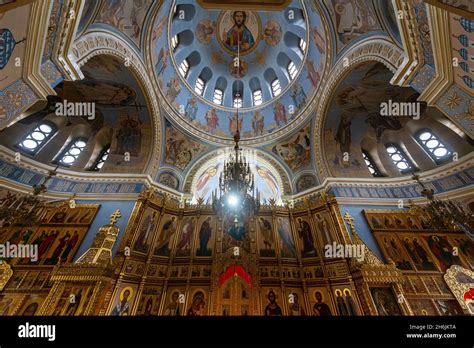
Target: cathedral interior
pixel 236 158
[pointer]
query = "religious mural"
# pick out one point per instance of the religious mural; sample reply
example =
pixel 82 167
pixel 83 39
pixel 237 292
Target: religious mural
pixel 146 231
pixel 321 304
pixel 355 117
pixel 307 241
pixel 186 238
pixel 271 299
pixel 266 237
pixel 150 301
pixel 385 301
pixel 124 300
pixel 236 232
pixel 197 305
pixel 352 18
pixel 266 180
pixel 169 180
pixel 239 31
pixel 285 237
pixel 180 149
pixel 259 35
pixel 420 250
pixel 206 235
pixel 296 151
pixel 59 234
pixel 165 232
pixel 126 16
pixel 305 182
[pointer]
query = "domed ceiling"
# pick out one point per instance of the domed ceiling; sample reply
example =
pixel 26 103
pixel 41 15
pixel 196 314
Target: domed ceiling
pixel 193 46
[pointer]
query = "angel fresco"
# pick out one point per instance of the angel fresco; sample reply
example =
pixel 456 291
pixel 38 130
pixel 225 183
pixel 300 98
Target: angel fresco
pixel 269 180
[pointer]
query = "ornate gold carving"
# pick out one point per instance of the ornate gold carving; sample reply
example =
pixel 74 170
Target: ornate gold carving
pixel 100 251
pixel 372 268
pixel 5 274
pixel 452 278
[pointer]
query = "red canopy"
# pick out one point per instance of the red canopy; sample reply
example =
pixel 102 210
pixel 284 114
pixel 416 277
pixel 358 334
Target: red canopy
pixel 235 270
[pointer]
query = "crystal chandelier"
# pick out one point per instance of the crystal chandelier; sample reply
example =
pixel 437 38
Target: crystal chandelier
pixel 236 193
pixel 443 214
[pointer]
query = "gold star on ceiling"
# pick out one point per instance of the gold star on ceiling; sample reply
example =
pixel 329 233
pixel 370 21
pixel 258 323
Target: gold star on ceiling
pixel 453 101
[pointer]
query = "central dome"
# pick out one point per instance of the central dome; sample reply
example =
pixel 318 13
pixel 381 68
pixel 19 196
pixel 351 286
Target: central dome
pixel 206 45
pixel 203 80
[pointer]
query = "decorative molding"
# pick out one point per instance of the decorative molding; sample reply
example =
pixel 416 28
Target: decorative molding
pixel 69 23
pixel 191 177
pixel 35 39
pixel 413 60
pixel 441 42
pixel 464 163
pixel 99 42
pixel 306 113
pixel 378 49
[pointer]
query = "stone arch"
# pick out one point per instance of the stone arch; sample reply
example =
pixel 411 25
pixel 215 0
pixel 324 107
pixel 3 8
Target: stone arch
pixel 379 49
pixel 104 43
pixel 195 171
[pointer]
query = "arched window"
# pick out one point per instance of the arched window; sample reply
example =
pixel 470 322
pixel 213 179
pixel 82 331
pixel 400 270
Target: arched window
pixel 238 102
pixel 184 68
pixel 199 86
pixel 37 138
pixel 257 97
pixel 99 163
pixel 72 151
pixel 433 145
pixel 399 158
pixel 276 87
pixel 292 71
pixel 218 96
pixel 302 45
pixel 174 42
pixel 370 164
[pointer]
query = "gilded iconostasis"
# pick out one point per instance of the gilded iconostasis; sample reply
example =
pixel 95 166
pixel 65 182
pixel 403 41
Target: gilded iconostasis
pixel 121 121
